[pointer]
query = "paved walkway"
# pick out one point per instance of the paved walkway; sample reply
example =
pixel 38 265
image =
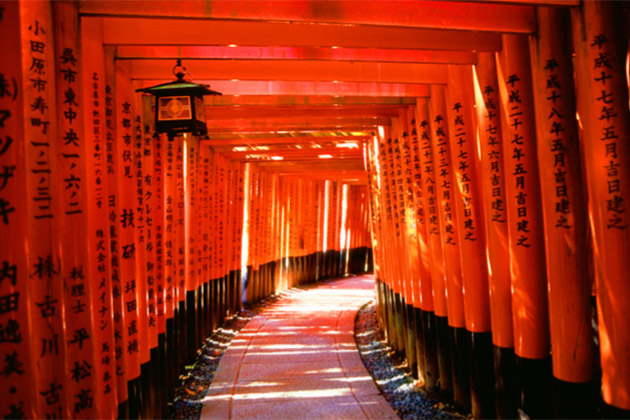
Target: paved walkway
pixel 298 360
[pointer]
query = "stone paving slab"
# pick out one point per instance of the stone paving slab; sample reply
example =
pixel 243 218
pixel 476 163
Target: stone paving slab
pixel 298 360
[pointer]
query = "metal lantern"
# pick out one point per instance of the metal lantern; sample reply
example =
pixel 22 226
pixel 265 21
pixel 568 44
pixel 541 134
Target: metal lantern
pixel 179 104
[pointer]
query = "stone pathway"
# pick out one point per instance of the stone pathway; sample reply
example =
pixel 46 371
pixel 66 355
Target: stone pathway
pixel 298 360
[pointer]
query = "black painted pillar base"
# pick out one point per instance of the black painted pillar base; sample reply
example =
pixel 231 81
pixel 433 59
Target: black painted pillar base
pixel 391 315
pixel 410 336
pixel 182 336
pixel 444 357
pixel 123 410
pixel 576 400
pixel 191 326
pixel 170 357
pixel 133 391
pixel 431 364
pixel 162 399
pixel 460 339
pixel 534 387
pixel 419 334
pixel 610 412
pixel 400 324
pixel 482 375
pixel 505 386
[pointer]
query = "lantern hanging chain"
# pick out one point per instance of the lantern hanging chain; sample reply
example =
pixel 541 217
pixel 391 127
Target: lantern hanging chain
pixel 180 71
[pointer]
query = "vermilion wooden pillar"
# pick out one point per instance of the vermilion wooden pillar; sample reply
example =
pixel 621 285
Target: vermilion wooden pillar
pixel 112 148
pixel 125 222
pixel 490 141
pixel 526 240
pixel 437 350
pixel 98 190
pixel 19 395
pixel 392 284
pixel 73 222
pixel 451 252
pixel 602 91
pixel 564 211
pixel 469 206
pixel 43 207
pixel 409 241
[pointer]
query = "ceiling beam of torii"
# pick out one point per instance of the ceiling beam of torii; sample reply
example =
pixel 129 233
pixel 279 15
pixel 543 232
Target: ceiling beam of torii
pixel 234 52
pixel 420 14
pixel 158 31
pixel 305 88
pixel 296 70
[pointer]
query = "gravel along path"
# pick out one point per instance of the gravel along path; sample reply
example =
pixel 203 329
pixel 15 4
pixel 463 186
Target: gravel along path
pixel 398 387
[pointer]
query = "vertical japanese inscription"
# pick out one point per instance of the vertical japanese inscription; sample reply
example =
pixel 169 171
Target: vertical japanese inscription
pixel 464 167
pixel 602 76
pixel 494 155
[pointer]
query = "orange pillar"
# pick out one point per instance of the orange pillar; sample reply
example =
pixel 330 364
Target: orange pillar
pixel 97 190
pixel 429 201
pixel 446 205
pixel 73 221
pixel 18 393
pixel 451 245
pixel 490 140
pixel 424 292
pixel 437 350
pixel 126 225
pixel 493 183
pixel 472 236
pixel 140 229
pixel 113 162
pixel 564 211
pixel 468 203
pixel 527 252
pixel 598 33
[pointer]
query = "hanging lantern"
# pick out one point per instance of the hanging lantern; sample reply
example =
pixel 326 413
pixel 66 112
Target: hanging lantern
pixel 179 104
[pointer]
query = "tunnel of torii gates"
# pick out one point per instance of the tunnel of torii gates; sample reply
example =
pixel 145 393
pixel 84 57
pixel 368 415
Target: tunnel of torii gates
pixel 478 150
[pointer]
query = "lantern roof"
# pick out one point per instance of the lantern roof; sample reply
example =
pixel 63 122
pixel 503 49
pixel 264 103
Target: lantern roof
pixel 179 86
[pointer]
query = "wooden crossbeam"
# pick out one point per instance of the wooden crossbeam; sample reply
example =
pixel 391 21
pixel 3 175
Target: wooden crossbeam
pixel 157 31
pixel 294 53
pixel 423 14
pixel 305 100
pixel 302 88
pixel 299 70
pixel 296 124
pixel 297 111
pixel 275 141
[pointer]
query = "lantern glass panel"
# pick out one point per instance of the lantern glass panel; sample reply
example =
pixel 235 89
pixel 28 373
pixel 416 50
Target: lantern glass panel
pixel 174 108
pixel 200 110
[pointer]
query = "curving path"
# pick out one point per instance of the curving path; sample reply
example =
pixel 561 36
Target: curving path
pixel 298 360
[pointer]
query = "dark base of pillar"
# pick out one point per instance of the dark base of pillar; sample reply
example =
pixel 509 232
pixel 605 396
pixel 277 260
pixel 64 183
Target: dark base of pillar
pixel 535 387
pixel 431 364
pixel 162 399
pixel 191 326
pixel 461 373
pixel 505 388
pixel 482 376
pixel 133 391
pixel 182 338
pixel 123 410
pixel 420 357
pixel 411 338
pixel 575 400
pixel 610 412
pixel 444 357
